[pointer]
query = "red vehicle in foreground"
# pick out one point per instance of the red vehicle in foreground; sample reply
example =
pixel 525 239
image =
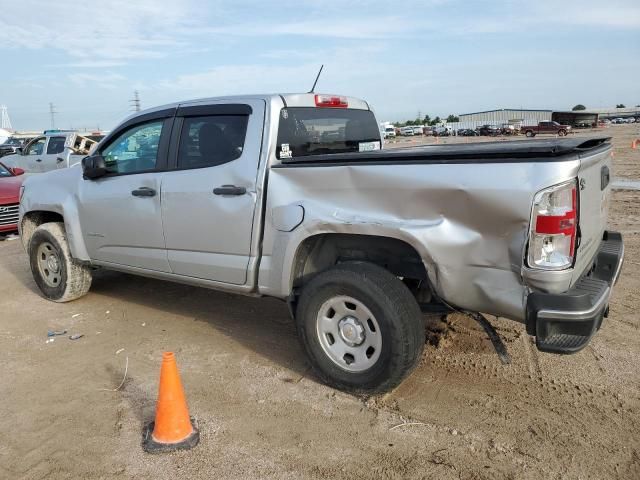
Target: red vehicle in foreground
pixel 10 183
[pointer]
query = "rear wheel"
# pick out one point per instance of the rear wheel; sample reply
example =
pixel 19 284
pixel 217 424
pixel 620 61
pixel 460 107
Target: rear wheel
pixel 361 327
pixel 529 133
pixel 59 276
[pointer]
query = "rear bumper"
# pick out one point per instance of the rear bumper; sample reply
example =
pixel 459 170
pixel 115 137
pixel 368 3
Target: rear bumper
pixel 565 323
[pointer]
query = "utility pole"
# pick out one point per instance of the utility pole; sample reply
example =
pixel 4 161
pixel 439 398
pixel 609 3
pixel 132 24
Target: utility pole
pixel 52 113
pixel 135 101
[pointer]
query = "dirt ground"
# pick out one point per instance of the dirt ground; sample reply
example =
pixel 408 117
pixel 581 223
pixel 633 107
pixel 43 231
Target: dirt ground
pixel 262 414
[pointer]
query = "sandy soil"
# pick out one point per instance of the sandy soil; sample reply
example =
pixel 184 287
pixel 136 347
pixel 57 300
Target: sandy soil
pixel 262 414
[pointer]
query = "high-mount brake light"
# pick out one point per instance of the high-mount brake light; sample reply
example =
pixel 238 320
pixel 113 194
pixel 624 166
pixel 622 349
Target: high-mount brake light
pixel 331 101
pixel 554 225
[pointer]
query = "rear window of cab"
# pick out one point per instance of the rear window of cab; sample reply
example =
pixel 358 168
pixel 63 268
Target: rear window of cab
pixel 305 131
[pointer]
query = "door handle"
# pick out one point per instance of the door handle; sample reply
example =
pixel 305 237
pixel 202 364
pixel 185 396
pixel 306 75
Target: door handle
pixel 229 190
pixel 59 159
pixel 144 192
pixel 38 159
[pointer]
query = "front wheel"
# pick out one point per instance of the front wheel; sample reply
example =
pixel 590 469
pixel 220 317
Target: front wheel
pixel 562 133
pixel 529 133
pixel 58 275
pixel 361 327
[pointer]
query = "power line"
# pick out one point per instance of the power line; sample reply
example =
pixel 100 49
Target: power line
pixel 52 113
pixel 135 101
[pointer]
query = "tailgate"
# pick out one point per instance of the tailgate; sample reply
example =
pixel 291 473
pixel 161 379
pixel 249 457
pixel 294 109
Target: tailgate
pixel 594 191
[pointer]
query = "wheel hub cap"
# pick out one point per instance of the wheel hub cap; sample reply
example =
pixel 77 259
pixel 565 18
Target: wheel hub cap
pixel 52 263
pixel 351 331
pixel 49 265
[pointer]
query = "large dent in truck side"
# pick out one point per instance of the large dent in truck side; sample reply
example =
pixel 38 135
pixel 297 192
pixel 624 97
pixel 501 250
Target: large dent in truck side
pixel 467 222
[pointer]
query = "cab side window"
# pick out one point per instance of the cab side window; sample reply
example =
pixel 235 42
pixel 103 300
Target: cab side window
pixel 212 140
pixel 35 147
pixel 135 150
pixel 55 145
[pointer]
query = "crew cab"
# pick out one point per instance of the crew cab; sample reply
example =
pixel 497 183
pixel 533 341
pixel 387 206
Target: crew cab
pixel 51 151
pixel 553 128
pixel 292 196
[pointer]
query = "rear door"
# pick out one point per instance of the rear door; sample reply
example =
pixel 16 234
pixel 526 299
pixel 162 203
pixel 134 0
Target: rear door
pixel 209 199
pixel 545 127
pixel 32 155
pixel 54 156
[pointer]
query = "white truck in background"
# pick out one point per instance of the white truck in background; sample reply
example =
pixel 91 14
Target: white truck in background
pixel 51 151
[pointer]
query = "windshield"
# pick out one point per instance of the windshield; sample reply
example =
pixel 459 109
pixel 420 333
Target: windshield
pixel 4 171
pixel 307 131
pixel 13 141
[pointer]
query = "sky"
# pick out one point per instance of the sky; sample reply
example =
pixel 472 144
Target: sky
pixel 435 57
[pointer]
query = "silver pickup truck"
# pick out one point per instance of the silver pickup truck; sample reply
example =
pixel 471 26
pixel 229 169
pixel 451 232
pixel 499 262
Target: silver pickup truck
pixel 291 196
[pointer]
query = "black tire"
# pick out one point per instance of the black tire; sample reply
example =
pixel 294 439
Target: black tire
pixel 562 133
pixel 71 279
pixel 395 310
pixel 529 133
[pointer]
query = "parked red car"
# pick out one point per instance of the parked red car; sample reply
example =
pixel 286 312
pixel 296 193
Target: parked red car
pixel 553 128
pixel 10 183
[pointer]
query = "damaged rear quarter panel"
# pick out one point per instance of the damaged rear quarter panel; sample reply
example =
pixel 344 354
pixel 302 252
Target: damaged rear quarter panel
pixel 468 222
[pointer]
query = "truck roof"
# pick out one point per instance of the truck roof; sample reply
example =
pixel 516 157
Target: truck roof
pixel 289 100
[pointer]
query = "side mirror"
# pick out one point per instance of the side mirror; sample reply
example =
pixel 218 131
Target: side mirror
pixel 94 167
pixel 17 171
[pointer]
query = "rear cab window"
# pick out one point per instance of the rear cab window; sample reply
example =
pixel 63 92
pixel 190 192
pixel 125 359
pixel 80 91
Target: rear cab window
pixel 56 145
pixel 305 131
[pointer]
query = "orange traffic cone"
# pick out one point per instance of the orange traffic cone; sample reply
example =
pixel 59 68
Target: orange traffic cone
pixel 173 429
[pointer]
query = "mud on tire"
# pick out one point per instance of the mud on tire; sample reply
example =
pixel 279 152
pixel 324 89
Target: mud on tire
pixel 58 275
pixel 382 305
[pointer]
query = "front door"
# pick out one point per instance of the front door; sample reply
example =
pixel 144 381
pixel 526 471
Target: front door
pixel 208 201
pixel 120 213
pixel 32 155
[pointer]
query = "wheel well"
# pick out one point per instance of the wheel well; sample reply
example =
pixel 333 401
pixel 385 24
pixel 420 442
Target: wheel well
pixel 320 252
pixel 32 220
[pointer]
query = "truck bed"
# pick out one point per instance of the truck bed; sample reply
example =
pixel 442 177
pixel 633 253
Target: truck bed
pixel 548 150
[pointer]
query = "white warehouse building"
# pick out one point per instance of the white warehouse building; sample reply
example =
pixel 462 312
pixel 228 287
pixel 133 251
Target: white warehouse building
pixel 507 115
pixel 500 117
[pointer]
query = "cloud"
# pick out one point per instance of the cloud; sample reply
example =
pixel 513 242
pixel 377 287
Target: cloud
pixel 105 30
pixel 354 27
pixel 90 64
pixel 107 80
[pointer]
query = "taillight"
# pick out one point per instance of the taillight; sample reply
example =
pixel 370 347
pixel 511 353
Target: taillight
pixel 554 223
pixel 331 101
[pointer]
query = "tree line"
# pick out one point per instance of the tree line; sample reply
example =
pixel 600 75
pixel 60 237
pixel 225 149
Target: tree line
pixel 427 120
pixel 582 107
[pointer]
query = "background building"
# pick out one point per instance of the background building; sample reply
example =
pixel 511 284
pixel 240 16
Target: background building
pixel 506 115
pixel 519 116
